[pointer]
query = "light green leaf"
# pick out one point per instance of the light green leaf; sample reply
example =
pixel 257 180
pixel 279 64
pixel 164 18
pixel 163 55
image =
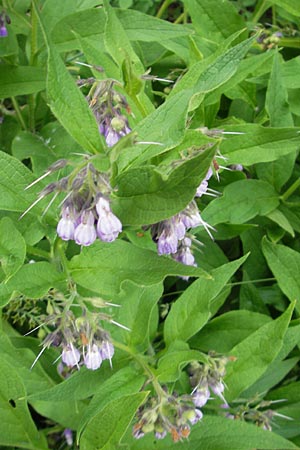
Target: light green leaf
pixel 277 172
pixel 177 356
pixel 17 428
pixel 214 19
pixel 12 247
pixel 137 304
pixel 192 310
pixel 106 429
pixel 278 217
pixel 67 102
pixel 224 332
pixel 21 80
pixel 291 6
pixel 216 74
pixel 285 265
pixel 33 280
pixel 254 355
pixel 258 144
pixel 277 104
pixel 104 266
pixel 242 201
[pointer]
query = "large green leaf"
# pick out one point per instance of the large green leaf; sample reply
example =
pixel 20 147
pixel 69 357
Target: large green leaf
pixel 17 428
pixel 67 102
pixel 218 433
pixel 285 265
pixel 104 266
pixel 21 80
pixel 106 429
pixel 254 355
pixel 258 144
pixel 147 196
pixel 215 19
pixel 192 310
pixel 242 201
pixel 12 247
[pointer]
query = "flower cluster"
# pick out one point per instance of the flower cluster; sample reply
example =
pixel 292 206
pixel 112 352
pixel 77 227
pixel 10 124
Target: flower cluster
pixel 170 235
pixel 255 411
pixel 86 213
pixel 167 413
pixel 207 378
pixel 107 104
pixel 4 20
pixel 83 341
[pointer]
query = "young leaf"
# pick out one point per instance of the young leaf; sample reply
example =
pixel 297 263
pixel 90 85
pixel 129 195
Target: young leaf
pixel 21 80
pixel 192 310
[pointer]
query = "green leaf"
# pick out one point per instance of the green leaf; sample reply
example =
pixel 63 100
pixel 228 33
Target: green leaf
pixel 137 305
pixel 224 332
pixel 104 266
pixel 192 310
pixel 285 265
pixel 242 201
pixel 219 433
pixel 254 355
pixel 12 247
pixel 277 172
pixel 21 80
pixel 13 180
pixel 258 144
pixel 126 381
pixel 106 429
pixel 67 102
pixel 177 356
pixel 33 280
pixel 214 19
pixel 17 428
pixel 277 104
pixel 216 74
pixel 147 196
pixel 278 217
pixel 291 6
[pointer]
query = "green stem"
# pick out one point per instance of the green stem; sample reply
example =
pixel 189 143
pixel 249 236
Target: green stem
pixel 290 190
pixel 289 42
pixel 140 360
pixel 163 8
pixel 35 251
pixel 33 52
pixel 64 264
pixel 262 280
pixel 259 11
pixel 180 18
pixel 18 113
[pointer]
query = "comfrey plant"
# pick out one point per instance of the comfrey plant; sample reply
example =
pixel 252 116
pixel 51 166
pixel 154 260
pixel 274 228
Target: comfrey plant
pixel 4 20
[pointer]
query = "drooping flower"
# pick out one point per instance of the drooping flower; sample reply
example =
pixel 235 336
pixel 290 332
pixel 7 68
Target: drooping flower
pixel 92 360
pixel 108 225
pixel 85 233
pixel 67 224
pixel 70 355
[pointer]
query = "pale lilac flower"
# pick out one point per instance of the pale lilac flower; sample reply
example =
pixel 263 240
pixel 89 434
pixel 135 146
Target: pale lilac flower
pixel 70 355
pixel 179 227
pixel 106 350
pixel 3 31
pixel 160 435
pixel 92 359
pixel 198 416
pixel 66 225
pixel 68 434
pixel 201 396
pixel 167 242
pixel 108 227
pixel 85 233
